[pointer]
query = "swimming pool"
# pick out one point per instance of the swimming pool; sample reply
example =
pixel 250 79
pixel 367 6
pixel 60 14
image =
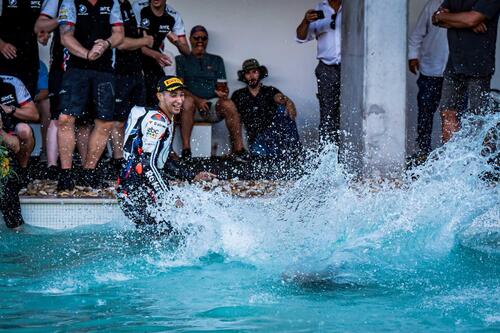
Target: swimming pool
pixel 326 255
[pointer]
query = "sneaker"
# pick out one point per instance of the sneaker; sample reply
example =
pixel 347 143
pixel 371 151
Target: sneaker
pixel 65 182
pixel 90 178
pixel 186 154
pixel 52 172
pixel 241 156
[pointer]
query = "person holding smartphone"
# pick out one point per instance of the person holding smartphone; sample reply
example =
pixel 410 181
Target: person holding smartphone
pixel 323 24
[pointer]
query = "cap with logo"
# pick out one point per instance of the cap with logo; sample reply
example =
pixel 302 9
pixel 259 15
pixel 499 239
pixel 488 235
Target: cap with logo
pixel 169 83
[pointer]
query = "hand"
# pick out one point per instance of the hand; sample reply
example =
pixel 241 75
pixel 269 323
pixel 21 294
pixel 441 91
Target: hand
pixel 480 28
pixel 435 16
pixel 7 109
pixel 291 110
pixel 100 46
pixel 222 94
pixel 8 50
pixel 414 65
pixel 149 40
pixel 162 59
pixel 43 37
pixel 204 176
pixel 311 16
pixel 201 104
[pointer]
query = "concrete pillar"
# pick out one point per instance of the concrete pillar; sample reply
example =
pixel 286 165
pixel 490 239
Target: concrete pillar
pixel 374 86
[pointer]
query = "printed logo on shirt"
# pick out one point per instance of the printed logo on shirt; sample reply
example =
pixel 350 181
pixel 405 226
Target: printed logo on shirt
pixel 8 99
pixel 105 10
pixel 164 28
pixel 12 4
pixel 63 14
pixel 36 4
pixel 145 23
pixel 82 10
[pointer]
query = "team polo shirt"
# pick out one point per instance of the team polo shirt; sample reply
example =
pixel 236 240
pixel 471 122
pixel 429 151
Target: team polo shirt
pixel 12 92
pixel 50 9
pixel 257 112
pixel 128 62
pixel 159 27
pixel 91 22
pixel 17 22
pixel 473 54
pixel 200 74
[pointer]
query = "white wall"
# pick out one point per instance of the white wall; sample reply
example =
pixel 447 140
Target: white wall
pixel 263 29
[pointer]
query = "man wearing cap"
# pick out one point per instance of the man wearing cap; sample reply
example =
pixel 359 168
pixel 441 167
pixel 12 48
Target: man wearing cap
pixel 142 184
pixel 204 102
pixel 323 24
pixel 268 115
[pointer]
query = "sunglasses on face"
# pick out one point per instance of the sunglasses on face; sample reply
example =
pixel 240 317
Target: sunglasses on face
pixel 333 23
pixel 200 38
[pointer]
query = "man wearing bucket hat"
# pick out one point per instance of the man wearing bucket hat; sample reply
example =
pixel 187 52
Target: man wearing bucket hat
pixel 142 184
pixel 207 97
pixel 268 115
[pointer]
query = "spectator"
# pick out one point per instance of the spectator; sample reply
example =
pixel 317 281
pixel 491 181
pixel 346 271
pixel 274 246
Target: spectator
pixel 160 21
pixel 46 23
pixel 18 42
pixel 10 207
pixel 130 87
pixel 89 34
pixel 472 33
pixel 17 108
pixel 324 24
pixel 200 71
pixel 268 115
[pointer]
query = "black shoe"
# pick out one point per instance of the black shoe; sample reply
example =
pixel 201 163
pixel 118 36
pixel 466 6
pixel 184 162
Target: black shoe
pixel 52 172
pixel 90 178
pixel 22 174
pixel 66 182
pixel 186 154
pixel 114 168
pixel 241 156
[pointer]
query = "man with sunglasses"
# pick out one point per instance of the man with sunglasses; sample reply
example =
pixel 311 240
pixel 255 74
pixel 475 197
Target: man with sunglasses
pixel 324 25
pixel 204 102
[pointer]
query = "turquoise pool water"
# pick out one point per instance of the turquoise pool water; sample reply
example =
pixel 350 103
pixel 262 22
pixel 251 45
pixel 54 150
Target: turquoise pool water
pixel 327 255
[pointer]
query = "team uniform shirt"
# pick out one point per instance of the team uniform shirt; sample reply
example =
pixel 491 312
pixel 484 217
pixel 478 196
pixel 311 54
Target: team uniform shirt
pixel 91 23
pixel 12 92
pixel 59 55
pixel 159 27
pixel 473 54
pixel 17 21
pixel 128 62
pixel 257 112
pixel 429 43
pixel 200 75
pixel 329 41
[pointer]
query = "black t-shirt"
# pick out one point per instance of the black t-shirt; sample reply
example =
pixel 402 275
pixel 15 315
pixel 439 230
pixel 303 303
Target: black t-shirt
pixel 50 8
pixel 257 113
pixel 129 62
pixel 17 22
pixel 470 53
pixel 91 23
pixel 12 92
pixel 158 27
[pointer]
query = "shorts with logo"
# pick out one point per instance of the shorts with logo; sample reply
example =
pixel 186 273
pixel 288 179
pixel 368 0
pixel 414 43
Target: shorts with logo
pixel 82 87
pixel 456 86
pixel 210 116
pixel 130 91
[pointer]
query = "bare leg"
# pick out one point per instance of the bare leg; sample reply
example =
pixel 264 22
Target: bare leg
pixel 82 140
pixel 44 110
pixel 52 148
pixel 25 135
pixel 66 140
pixel 98 141
pixel 450 124
pixel 187 122
pixel 228 110
pixel 117 139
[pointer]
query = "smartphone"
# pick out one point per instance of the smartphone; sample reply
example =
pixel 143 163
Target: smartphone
pixel 320 13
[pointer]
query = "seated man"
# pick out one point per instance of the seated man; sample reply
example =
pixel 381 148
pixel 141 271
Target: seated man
pixel 16 109
pixel 142 184
pixel 200 72
pixel 268 115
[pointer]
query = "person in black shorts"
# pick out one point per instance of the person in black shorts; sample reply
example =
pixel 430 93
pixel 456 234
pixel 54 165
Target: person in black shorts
pixel 130 87
pixel 160 21
pixel 143 181
pixel 89 32
pixel 18 41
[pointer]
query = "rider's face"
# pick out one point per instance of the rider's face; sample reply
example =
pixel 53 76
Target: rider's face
pixel 171 101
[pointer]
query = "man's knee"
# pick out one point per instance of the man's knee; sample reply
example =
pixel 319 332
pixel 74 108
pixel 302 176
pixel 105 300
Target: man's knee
pixel 24 132
pixel 66 121
pixel 103 127
pixel 227 108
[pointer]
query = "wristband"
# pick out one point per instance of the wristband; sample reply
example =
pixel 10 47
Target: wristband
pixel 109 44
